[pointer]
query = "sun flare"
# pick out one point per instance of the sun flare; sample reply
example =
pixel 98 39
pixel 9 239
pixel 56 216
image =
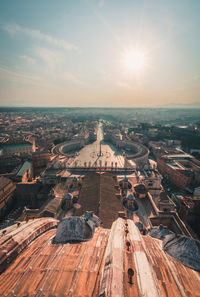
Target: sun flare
pixel 134 61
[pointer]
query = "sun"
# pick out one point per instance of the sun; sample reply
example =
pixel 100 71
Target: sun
pixel 134 61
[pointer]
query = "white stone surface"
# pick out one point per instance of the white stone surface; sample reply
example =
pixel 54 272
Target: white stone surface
pixel 89 153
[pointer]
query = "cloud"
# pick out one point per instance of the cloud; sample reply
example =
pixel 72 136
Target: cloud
pixel 108 76
pixel 28 60
pixel 49 57
pixel 23 78
pixel 66 76
pixel 14 29
pixel 123 85
pixel 101 3
pixel 23 82
pixel 196 77
pixel 117 80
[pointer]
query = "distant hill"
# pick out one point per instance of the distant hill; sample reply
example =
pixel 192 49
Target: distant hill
pixel 181 105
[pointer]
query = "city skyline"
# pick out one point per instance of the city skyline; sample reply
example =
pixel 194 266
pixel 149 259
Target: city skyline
pixel 99 53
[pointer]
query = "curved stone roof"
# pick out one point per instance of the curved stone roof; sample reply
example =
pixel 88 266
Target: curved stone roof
pixel 98 267
pixel 14 242
pixel 76 228
pixel 73 229
pixel 130 197
pixel 90 216
pixel 183 249
pixel 140 188
pixel 159 232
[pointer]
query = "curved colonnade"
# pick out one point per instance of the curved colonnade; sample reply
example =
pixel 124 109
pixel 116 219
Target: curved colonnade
pixel 67 147
pixel 137 151
pixel 139 155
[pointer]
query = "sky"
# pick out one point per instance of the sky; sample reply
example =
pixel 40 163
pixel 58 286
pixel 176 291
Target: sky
pixel 99 53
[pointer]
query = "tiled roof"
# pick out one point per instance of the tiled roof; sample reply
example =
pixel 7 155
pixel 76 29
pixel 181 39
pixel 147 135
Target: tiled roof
pixel 13 243
pixel 46 269
pixel 99 267
pixel 155 272
pixel 89 195
pixel 98 194
pixel 52 207
pixel 4 182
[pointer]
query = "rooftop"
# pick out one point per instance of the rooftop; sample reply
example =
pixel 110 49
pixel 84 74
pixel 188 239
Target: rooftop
pixel 141 189
pixel 98 267
pixel 178 156
pixel 4 182
pixel 15 145
pixel 98 194
pixel 26 166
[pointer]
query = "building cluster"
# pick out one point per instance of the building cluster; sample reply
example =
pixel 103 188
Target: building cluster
pixel 102 246
pixel 7 188
pixel 30 156
pixel 20 125
pixel 181 178
pixel 165 147
pixel 44 128
pixel 94 232
pixel 27 144
pixel 182 170
pixel 29 162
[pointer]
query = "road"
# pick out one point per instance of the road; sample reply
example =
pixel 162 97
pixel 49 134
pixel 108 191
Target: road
pixel 90 154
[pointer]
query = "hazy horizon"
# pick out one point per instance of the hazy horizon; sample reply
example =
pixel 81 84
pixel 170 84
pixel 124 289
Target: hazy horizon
pixel 100 53
pixel 194 105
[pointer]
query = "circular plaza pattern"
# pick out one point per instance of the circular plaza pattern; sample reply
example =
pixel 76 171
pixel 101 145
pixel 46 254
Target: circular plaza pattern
pixel 104 154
